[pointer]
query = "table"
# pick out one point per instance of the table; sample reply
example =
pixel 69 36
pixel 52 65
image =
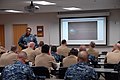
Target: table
pixel 107 71
pixel 101 57
pixel 101 63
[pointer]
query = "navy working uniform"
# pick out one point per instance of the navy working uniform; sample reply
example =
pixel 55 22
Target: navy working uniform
pixel 24 40
pixel 80 71
pixel 18 71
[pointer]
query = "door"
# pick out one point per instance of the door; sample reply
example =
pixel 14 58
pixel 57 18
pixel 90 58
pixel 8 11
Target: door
pixel 18 31
pixel 2 35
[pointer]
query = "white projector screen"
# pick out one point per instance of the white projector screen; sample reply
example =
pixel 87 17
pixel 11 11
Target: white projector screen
pixel 83 30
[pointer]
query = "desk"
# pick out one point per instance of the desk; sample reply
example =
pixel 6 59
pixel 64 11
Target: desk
pixel 101 57
pixel 107 72
pixel 101 63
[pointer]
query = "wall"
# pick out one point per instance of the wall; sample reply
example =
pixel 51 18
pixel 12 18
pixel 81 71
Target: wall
pixel 114 27
pixel 50 21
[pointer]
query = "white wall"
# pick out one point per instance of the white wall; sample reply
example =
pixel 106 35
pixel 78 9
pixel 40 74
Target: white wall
pixel 50 21
pixel 114 27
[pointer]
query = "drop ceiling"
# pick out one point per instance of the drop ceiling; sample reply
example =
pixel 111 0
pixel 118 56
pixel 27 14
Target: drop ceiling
pixel 60 4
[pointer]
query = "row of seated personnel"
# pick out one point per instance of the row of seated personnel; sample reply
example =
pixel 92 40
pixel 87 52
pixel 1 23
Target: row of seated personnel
pixel 37 58
pixel 43 72
pixel 75 68
pixel 46 60
pixel 9 57
pixel 63 51
pixel 44 48
pixel 20 71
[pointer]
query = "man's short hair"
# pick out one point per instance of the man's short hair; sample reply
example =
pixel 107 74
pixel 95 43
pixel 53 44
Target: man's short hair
pixel 22 54
pixel 82 48
pixel 92 44
pixel 41 43
pixel 83 55
pixel 45 49
pixel 73 52
pixel 13 48
pixel 31 44
pixel 54 48
pixel 28 28
pixel 63 41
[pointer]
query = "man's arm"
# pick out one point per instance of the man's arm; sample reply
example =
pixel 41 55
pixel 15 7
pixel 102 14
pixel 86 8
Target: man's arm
pixel 35 41
pixel 21 42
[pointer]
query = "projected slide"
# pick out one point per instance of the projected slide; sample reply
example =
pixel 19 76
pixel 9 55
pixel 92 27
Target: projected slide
pixel 83 30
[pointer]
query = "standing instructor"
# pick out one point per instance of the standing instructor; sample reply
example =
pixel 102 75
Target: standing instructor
pixel 26 38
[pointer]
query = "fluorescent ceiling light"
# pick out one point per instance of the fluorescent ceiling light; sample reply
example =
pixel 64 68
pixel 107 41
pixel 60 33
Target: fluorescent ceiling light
pixel 44 3
pixel 13 11
pixel 72 8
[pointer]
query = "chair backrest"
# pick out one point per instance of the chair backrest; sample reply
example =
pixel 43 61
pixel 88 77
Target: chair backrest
pixel 111 66
pixel 41 72
pixel 110 76
pixel 62 71
pixel 1 69
pixel 104 52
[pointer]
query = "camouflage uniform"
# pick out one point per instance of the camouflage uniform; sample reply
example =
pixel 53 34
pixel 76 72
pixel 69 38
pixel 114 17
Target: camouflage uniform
pixel 24 40
pixel 80 71
pixel 18 71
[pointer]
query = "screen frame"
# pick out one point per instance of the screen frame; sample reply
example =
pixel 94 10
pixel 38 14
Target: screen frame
pixel 82 17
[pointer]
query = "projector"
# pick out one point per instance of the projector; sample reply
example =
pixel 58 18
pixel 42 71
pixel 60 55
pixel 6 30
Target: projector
pixel 31 8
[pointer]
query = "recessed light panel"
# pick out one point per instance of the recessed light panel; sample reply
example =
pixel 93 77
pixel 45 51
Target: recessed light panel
pixel 72 8
pixel 44 3
pixel 13 11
